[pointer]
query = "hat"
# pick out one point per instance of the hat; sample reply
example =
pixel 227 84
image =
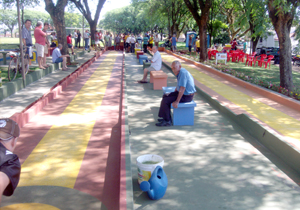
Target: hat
pixel 8 129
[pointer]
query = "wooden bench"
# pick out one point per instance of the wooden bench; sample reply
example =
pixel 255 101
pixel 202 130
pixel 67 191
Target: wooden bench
pixel 159 79
pixel 184 113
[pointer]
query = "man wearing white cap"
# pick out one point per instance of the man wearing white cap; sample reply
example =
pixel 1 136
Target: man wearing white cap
pixel 10 167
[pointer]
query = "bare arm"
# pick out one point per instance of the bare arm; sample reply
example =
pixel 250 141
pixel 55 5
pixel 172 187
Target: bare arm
pixel 180 94
pixel 4 182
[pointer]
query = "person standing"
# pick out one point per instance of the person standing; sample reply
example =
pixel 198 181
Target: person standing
pixel 27 38
pixel 106 39
pixel 101 39
pixel 78 39
pixel 190 43
pixel 145 42
pixel 174 41
pixel 47 45
pixel 97 42
pixel 245 46
pixel 40 42
pixel 132 41
pixel 184 92
pixel 117 42
pixel 151 39
pixel 156 40
pixel 75 37
pixel 198 46
pixel 233 44
pixel 86 37
pixel 10 167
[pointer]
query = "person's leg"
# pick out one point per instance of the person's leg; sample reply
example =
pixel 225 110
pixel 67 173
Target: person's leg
pixel 64 63
pixel 45 60
pixel 165 106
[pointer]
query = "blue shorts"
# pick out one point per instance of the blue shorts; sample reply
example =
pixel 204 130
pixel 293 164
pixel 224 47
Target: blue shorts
pixel 58 60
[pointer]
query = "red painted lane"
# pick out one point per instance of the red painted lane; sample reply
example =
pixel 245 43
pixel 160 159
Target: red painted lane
pixel 99 174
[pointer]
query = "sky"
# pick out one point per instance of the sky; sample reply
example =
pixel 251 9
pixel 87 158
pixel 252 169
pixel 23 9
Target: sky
pixel 108 5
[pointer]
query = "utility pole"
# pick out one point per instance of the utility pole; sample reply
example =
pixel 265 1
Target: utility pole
pixel 21 44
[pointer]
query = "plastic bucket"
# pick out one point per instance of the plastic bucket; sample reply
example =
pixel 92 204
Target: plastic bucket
pixel 146 165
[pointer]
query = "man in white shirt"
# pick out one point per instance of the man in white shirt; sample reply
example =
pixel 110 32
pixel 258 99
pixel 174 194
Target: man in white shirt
pixel 132 41
pixel 155 64
pixel 128 43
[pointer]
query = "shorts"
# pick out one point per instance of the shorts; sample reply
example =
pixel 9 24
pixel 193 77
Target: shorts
pixel 27 49
pixel 151 69
pixel 46 49
pixel 40 50
pixel 97 42
pixel 58 60
pixel 70 45
pixel 198 49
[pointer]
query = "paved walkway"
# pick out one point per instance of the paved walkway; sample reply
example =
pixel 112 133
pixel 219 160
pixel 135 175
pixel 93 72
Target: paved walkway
pixel 212 165
pixel 69 153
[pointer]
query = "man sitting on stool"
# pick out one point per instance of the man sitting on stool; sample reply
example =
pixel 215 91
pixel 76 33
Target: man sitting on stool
pixel 155 65
pixel 184 92
pixel 58 58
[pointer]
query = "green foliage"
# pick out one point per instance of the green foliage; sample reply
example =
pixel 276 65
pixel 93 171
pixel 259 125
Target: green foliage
pixel 222 38
pixel 9 19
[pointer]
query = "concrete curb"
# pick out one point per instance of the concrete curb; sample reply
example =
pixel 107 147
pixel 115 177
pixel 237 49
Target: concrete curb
pixel 271 140
pixel 126 187
pixel 30 111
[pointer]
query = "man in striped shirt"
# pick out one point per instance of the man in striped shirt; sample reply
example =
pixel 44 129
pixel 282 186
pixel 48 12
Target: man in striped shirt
pixel 26 36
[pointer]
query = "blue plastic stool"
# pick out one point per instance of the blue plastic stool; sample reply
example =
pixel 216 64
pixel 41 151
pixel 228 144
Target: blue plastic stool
pixel 184 113
pixel 141 58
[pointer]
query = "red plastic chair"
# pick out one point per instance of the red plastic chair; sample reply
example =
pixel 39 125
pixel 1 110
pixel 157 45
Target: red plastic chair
pixel 214 53
pixel 259 59
pixel 270 57
pixel 229 55
pixel 241 57
pixel 250 59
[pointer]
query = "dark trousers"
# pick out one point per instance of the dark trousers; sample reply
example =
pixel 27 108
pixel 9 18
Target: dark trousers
pixel 78 42
pixel 132 47
pixel 145 48
pixel 167 100
pixel 190 48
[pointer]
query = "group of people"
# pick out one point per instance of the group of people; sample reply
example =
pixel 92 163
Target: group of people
pixel 184 91
pixel 43 39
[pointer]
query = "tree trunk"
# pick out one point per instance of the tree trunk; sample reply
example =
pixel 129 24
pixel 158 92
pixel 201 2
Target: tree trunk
pixel 57 14
pixel 93 27
pixel 282 22
pixel 11 33
pixel 203 41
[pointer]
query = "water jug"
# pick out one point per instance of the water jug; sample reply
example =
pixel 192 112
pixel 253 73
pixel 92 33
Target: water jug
pixel 157 185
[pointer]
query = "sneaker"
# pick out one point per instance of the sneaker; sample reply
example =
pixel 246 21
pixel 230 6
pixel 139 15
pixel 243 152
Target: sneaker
pixel 164 123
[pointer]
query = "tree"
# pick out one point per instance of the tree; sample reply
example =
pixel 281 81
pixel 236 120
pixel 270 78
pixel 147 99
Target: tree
pixel 57 13
pixel 24 3
pixel 254 14
pixel 83 7
pixel 281 13
pixel 202 7
pixel 9 18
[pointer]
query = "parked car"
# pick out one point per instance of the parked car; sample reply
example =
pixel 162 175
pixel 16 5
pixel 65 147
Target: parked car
pixel 268 51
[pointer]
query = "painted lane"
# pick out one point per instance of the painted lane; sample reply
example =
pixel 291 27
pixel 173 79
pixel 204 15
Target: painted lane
pixel 57 159
pixel 279 121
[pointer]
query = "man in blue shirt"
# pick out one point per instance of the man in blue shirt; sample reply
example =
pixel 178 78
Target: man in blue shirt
pixel 57 57
pixel 184 92
pixel 145 44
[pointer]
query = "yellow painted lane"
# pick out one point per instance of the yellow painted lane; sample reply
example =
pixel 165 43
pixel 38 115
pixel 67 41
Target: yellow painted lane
pixel 29 206
pixel 279 121
pixel 56 160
